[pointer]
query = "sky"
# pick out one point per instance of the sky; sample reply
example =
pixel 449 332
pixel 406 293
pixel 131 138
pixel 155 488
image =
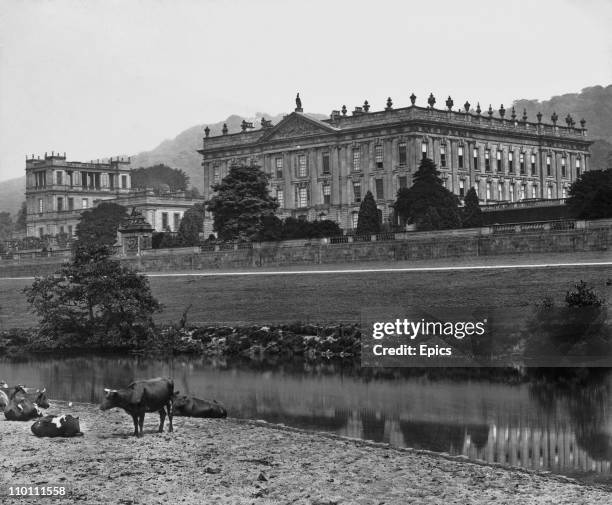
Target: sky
pixel 99 78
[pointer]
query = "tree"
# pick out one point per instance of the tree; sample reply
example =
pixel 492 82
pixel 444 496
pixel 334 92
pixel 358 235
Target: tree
pixel 590 196
pixel 160 178
pixel 6 226
pixel 428 204
pixel 191 226
pixel 472 214
pixel 402 205
pixel 20 222
pixel 99 225
pixel 368 220
pixel 241 203
pixel 94 297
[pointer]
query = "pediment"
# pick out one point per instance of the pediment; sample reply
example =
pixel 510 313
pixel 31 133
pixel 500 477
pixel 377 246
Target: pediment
pixel 296 125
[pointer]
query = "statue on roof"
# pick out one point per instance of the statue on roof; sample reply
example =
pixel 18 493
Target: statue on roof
pixel 298 103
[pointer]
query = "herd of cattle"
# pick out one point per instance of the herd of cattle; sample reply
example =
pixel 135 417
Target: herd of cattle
pixel 151 395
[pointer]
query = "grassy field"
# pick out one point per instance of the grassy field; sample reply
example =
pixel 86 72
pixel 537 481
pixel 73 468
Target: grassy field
pixel 336 297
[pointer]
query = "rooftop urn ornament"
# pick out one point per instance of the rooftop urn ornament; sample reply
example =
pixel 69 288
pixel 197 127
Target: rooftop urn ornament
pixel 224 130
pixel 490 111
pixel 449 103
pixel 298 104
pixel 413 98
pixel 539 116
pixel 466 106
pixel 502 111
pixel 431 101
pixel 344 110
pixel 366 106
pixel 524 115
pixel 265 123
pixel 568 120
pixel 513 115
pixel 207 132
pixel 478 109
pixel 582 123
pixel 389 104
pixel 554 118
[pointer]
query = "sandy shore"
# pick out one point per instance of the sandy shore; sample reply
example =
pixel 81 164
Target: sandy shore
pixel 230 461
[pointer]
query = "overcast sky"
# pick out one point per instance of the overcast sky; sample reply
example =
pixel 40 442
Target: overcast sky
pixel 102 78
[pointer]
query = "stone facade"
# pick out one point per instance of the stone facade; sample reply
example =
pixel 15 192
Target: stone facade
pixel 323 168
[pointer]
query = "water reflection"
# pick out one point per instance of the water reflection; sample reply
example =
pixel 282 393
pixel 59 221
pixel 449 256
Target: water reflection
pixel 545 423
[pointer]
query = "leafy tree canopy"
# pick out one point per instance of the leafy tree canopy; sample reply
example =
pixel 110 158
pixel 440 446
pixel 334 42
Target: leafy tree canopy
pixel 191 226
pixel 427 203
pixel 241 203
pixel 292 229
pixel 99 225
pixel 368 220
pixel 590 196
pixel 6 226
pixel 160 177
pixel 472 214
pixel 20 221
pixel 94 296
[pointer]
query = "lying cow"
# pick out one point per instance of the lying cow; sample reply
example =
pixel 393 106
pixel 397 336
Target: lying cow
pixel 152 395
pixel 189 406
pixel 4 400
pixel 57 426
pixel 21 408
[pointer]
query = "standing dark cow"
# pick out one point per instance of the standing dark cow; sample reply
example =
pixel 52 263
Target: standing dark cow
pixel 57 426
pixel 189 406
pixel 152 395
pixel 22 408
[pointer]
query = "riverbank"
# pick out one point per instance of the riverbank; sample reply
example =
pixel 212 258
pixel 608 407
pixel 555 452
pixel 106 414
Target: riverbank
pixel 229 461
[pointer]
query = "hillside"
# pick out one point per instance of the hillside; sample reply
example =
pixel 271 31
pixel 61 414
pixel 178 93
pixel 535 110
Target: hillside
pixel 12 193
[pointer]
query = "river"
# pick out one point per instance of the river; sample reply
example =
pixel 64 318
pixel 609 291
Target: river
pixel 542 425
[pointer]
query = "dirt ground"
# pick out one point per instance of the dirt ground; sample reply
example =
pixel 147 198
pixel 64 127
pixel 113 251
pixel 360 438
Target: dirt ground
pixel 229 461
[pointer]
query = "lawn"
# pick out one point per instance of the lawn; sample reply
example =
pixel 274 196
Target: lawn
pixel 335 297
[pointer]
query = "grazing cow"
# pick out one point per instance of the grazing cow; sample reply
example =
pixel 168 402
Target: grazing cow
pixel 21 408
pixel 152 395
pixel 57 426
pixel 189 406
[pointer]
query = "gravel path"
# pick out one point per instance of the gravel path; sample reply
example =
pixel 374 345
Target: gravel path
pixel 229 461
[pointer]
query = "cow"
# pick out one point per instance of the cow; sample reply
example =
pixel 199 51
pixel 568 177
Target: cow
pixel 37 396
pixel 57 426
pixel 22 408
pixel 151 395
pixel 189 406
pixel 4 400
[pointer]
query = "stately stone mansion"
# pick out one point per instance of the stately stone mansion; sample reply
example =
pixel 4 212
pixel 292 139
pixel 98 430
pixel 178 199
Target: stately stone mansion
pixel 321 169
pixel 58 191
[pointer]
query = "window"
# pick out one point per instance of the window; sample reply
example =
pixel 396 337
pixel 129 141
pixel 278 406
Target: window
pixel 476 188
pixel 326 193
pixel 354 219
pixel 402 155
pixel 488 194
pixel 164 221
pixel 523 191
pixel 326 168
pixel 40 205
pixel 177 221
pixel 533 164
pixel 124 182
pixel 442 156
pixel 500 191
pixel 380 189
pixel 378 155
pixel 460 156
pixel 499 161
pixel 278 167
pixel 549 192
pixel 59 178
pixel 357 191
pixel 70 230
pixel 302 197
pixel 475 156
pixel 534 192
pixel 510 162
pixel 577 167
pixel 487 160
pixel 280 196
pixel 424 150
pixel 70 203
pixel 522 163
pixel 302 171
pixel 60 203
pixel 111 181
pixel 84 203
pixel 41 232
pixel 61 230
pixel 217 173
pixel 461 188
pixel 548 166
pixel 403 181
pixel 356 159
pixel 563 167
